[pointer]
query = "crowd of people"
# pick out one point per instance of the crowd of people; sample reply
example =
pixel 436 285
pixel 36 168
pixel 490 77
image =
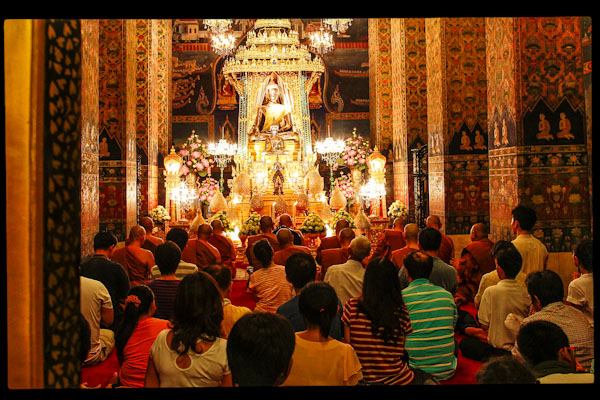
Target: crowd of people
pixel 350 313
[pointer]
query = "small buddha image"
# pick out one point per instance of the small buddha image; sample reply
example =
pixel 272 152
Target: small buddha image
pixel 564 128
pixel 496 135
pixel 465 142
pixel 479 141
pixel 504 132
pixel 103 149
pixel 544 129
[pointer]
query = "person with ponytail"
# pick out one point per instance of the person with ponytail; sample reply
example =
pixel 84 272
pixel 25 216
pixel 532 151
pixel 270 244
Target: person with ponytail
pixel 318 359
pixel 191 353
pixel 136 332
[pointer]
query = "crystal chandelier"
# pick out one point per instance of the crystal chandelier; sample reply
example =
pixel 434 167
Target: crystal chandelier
pixel 330 150
pixel 183 195
pixel 338 25
pixel 223 43
pixel 217 26
pixel 372 190
pixel 321 41
pixel 222 152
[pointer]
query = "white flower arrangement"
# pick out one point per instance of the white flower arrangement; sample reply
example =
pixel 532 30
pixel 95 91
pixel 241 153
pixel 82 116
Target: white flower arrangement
pixel 397 209
pixel 159 215
pixel 252 225
pixel 313 224
pixel 343 214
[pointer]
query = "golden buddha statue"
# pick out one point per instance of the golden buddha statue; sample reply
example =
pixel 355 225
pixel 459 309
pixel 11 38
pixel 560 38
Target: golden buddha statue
pixel 274 119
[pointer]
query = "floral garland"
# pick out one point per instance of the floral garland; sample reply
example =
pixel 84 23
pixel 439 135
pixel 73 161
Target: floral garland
pixel 343 214
pixel 252 225
pixel 195 157
pixel 344 184
pixel 356 152
pixel 397 209
pixel 207 189
pixel 159 215
pixel 227 227
pixel 313 224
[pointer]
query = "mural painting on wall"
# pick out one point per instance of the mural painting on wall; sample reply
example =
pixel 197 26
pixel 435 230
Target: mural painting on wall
pixel 202 126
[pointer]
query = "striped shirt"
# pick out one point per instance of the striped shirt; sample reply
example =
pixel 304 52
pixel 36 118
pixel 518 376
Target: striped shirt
pixel 382 363
pixel 271 288
pixel 164 296
pixel 433 317
pixel 183 269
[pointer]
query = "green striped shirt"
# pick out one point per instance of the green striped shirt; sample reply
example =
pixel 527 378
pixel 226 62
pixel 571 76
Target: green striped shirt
pixel 433 316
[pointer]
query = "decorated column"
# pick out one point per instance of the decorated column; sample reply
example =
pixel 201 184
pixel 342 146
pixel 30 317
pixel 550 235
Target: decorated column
pixel 457 122
pixel 537 131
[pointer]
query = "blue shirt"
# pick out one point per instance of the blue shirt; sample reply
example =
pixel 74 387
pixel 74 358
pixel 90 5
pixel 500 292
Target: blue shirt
pixel 433 316
pixel 291 311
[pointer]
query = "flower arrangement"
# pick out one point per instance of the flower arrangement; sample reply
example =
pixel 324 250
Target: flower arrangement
pixel 397 209
pixel 313 224
pixel 356 152
pixel 343 214
pixel 223 217
pixel 344 184
pixel 252 225
pixel 195 157
pixel 207 189
pixel 159 215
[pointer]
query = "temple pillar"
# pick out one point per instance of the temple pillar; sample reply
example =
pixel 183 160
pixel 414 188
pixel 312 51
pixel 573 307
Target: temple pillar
pixel 409 103
pixel 381 93
pixel 535 75
pixel 163 99
pixel 457 123
pixel 117 151
pixel 89 136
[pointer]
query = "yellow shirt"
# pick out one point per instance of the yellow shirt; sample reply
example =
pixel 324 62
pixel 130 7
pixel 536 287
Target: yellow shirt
pixel 330 363
pixel 231 314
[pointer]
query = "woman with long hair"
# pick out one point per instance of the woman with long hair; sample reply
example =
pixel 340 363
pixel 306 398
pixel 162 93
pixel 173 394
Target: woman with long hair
pixel 191 353
pixel 318 359
pixel 376 325
pixel 135 334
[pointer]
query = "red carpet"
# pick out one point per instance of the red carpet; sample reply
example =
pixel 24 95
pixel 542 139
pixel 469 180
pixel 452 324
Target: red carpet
pixel 101 373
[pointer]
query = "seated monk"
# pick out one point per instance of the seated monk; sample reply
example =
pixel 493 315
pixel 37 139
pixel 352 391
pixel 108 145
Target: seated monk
pixel 446 252
pixel 331 242
pixel 476 260
pixel 411 238
pixel 285 221
pixel 390 240
pixel 286 243
pixel 266 232
pixel 339 255
pixel 223 243
pixel 199 251
pixel 151 240
pixel 137 261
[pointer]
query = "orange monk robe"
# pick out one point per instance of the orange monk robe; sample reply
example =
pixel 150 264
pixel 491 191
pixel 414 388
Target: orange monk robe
pixel 446 252
pixel 399 255
pixel 387 242
pixel 250 244
pixel 152 242
pixel 330 242
pixel 201 253
pixel 476 260
pixel 137 262
pixel 333 256
pixel 226 248
pixel 281 256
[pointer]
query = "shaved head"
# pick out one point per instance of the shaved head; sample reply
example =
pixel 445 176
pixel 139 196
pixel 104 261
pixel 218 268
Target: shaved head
pixel 478 231
pixel 147 223
pixel 411 233
pixel 346 235
pixel 204 231
pixel 399 223
pixel 266 223
pixel 341 224
pixel 137 232
pixel 217 225
pixel 433 221
pixel 285 220
pixel 285 237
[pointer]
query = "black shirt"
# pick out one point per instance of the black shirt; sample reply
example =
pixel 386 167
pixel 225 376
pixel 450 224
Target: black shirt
pixel 111 274
pixel 297 237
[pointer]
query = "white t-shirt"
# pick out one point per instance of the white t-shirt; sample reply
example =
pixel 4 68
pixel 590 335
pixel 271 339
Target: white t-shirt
pixel 94 297
pixel 506 297
pixel 533 252
pixel 206 369
pixel 581 293
pixel 346 279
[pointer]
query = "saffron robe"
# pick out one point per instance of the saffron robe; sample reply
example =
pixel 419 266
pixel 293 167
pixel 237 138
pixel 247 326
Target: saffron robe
pixel 137 262
pixel 386 243
pixel 225 247
pixel 201 253
pixel 333 256
pixel 446 252
pixel 330 242
pixel 398 256
pixel 476 260
pixel 281 256
pixel 250 244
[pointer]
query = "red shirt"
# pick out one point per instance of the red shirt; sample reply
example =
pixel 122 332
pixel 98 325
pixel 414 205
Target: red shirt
pixel 137 351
